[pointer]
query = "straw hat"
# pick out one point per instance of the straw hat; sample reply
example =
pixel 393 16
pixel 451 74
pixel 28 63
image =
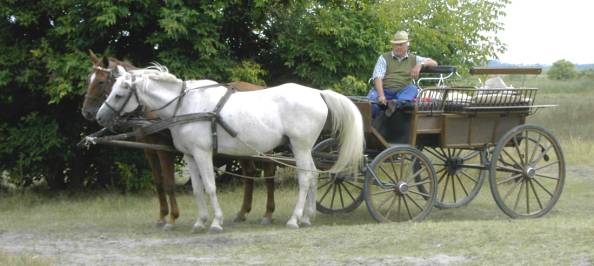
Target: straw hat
pixel 400 37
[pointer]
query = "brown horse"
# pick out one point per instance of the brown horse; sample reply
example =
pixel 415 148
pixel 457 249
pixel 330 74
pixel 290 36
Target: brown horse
pixel 101 80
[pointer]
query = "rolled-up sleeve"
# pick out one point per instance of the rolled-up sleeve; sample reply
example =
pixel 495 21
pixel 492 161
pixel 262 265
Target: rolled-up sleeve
pixel 380 68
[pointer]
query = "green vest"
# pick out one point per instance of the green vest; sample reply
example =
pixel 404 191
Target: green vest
pixel 398 73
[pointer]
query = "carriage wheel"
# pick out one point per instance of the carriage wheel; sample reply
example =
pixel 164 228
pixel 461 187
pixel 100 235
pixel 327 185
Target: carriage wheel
pixel 400 185
pixel 460 174
pixel 527 172
pixel 336 192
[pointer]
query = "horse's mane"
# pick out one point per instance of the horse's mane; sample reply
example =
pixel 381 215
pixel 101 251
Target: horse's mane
pixel 157 72
pixel 125 63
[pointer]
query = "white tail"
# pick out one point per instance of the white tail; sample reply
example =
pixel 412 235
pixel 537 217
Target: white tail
pixel 347 126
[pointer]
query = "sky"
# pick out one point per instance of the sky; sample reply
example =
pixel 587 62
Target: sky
pixel 544 31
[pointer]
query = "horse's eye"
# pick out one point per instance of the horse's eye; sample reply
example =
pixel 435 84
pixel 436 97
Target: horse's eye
pixel 101 82
pixel 118 96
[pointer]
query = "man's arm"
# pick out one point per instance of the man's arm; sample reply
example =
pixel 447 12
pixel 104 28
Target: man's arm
pixel 379 87
pixel 378 74
pixel 414 72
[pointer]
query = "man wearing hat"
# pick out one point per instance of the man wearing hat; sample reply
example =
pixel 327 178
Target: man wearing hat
pixel 394 72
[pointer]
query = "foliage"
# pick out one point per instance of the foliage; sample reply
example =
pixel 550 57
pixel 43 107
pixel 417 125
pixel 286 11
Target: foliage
pixel 562 70
pixel 44 64
pixel 456 32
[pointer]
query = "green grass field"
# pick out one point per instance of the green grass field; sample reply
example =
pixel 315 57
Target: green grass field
pixel 111 228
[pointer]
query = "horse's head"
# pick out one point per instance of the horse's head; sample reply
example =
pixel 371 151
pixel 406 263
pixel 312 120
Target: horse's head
pixel 122 100
pixel 101 80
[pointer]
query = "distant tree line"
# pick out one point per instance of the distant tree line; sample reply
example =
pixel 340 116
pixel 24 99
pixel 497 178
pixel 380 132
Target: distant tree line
pixel 566 70
pixel 44 64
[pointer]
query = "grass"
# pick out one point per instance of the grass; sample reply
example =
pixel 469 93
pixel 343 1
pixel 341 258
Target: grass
pixel 478 234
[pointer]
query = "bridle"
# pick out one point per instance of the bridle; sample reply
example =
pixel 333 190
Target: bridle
pixel 110 78
pixel 132 89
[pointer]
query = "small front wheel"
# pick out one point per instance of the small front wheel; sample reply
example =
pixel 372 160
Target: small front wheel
pixel 400 185
pixel 340 192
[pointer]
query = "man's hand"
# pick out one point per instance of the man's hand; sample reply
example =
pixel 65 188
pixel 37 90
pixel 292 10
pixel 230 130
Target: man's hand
pixel 382 100
pixel 414 72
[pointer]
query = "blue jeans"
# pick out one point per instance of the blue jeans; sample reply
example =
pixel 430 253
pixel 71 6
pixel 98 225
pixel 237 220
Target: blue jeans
pixel 408 93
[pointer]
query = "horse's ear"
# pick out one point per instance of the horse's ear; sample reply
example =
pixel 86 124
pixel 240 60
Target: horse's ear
pixel 121 70
pixel 93 57
pixel 105 61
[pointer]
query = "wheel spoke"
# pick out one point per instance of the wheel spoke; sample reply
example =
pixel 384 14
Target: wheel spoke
pixel 535 194
pixel 519 194
pixel 333 196
pixel 325 184
pixel 353 184
pixel 390 208
pixel 385 201
pixel 542 154
pixel 509 156
pixel 325 193
pixel 445 188
pixel 388 175
pixel 543 188
pixel 348 192
pixel 428 180
pixel 411 178
pixel 546 176
pixel 340 195
pixel 382 192
pixel 517 148
pixel 434 153
pixel 394 170
pixel 536 145
pixel 468 176
pixel 407 209
pixel 509 192
pixel 414 202
pixel 527 198
pixel 420 193
pixel 509 179
pixel 526 148
pixel 507 169
pixel 462 185
pixel 547 165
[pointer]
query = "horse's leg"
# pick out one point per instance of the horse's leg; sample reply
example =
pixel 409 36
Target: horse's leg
pixel 248 169
pixel 302 158
pixel 310 205
pixel 153 159
pixel 199 194
pixel 206 169
pixel 168 172
pixel 269 171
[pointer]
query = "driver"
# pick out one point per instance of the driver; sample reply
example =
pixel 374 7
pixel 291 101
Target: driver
pixel 393 72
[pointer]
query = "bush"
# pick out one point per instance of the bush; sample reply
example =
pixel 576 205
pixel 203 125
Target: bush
pixel 562 70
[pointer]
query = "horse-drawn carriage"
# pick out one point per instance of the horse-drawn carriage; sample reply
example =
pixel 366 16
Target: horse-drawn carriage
pixel 435 151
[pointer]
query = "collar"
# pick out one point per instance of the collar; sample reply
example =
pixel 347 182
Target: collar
pixel 399 58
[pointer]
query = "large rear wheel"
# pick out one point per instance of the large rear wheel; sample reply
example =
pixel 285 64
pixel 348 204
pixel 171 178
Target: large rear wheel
pixel 400 185
pixel 527 172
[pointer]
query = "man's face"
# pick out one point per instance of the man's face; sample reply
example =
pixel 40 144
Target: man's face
pixel 400 49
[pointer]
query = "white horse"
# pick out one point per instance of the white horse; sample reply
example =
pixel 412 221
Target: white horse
pixel 263 119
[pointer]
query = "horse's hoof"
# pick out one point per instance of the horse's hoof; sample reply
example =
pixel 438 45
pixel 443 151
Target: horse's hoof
pixel 160 224
pixel 168 227
pixel 197 229
pixel 292 225
pixel 306 224
pixel 239 219
pixel 266 221
pixel 215 229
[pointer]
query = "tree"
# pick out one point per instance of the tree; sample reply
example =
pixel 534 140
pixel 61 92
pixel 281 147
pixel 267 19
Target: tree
pixel 562 70
pixel 327 44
